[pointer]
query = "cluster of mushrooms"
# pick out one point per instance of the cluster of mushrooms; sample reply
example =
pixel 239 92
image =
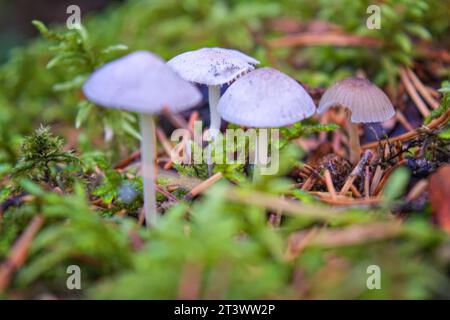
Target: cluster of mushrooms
pixel 144 83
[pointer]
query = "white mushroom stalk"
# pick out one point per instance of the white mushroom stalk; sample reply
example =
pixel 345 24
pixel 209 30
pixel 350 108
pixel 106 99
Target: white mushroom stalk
pixel 265 98
pixel 261 153
pixel 142 82
pixel 215 120
pixel 365 103
pixel 148 144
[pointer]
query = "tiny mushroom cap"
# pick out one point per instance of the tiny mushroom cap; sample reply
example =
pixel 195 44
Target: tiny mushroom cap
pixel 366 101
pixel 140 82
pixel 212 66
pixel 265 98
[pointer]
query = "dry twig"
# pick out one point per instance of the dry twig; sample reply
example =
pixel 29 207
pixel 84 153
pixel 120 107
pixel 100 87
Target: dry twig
pixel 422 89
pixel 329 39
pixel 330 185
pixel 413 94
pixel 357 171
pixel 411 134
pixel 349 236
pixel 203 186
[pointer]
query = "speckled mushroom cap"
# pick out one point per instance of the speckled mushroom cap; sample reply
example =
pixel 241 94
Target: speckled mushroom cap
pixel 212 66
pixel 366 101
pixel 265 98
pixel 140 82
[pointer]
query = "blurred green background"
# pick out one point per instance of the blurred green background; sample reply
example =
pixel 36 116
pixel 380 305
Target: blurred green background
pixel 15 17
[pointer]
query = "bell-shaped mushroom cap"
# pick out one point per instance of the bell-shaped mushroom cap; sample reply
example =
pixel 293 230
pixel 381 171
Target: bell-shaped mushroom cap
pixel 140 82
pixel 366 101
pixel 265 98
pixel 212 66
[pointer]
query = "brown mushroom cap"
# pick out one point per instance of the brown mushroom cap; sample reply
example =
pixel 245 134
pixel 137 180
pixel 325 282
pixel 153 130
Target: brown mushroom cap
pixel 366 101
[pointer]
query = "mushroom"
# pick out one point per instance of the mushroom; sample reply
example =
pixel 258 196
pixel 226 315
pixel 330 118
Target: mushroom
pixel 265 98
pixel 364 103
pixel 142 82
pixel 213 67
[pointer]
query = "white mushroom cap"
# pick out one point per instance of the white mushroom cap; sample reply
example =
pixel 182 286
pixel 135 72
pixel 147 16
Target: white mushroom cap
pixel 212 66
pixel 366 101
pixel 140 82
pixel 265 98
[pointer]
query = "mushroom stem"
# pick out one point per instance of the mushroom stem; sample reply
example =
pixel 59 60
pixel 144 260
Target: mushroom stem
pixel 256 166
pixel 214 96
pixel 353 137
pixel 261 154
pixel 148 144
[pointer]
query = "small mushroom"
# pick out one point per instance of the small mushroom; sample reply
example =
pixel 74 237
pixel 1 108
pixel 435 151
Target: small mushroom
pixel 213 67
pixel 265 98
pixel 142 82
pixel 364 103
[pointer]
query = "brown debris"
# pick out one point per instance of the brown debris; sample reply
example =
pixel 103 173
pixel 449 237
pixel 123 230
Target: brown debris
pixel 329 183
pixel 439 191
pixel 402 119
pixel 357 171
pixel 348 236
pixel 175 119
pixel 421 106
pixel 166 144
pixel 410 134
pixel 337 39
pixel 338 167
pixel 422 89
pixel 19 252
pixel 191 277
pixel 386 176
pixel 341 200
pixel 297 242
pixel 203 186
pixel 126 162
pixel 322 150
